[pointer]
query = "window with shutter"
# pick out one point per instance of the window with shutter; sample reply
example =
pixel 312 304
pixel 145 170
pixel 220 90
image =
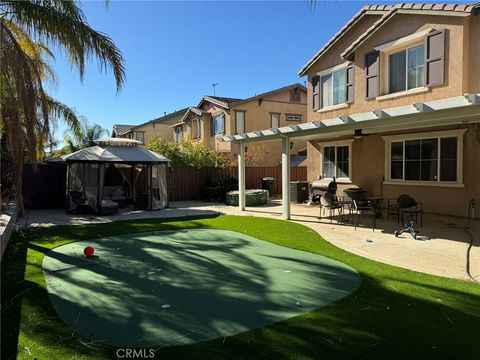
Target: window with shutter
pixel 372 72
pixel 350 84
pixel 316 92
pixel 435 58
pixel 406 69
pixel 333 88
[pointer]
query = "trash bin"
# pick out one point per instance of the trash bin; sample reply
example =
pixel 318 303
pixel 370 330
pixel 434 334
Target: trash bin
pixel 267 184
pixel 298 191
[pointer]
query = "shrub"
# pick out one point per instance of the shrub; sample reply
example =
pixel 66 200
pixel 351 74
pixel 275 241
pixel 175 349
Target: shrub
pixel 189 154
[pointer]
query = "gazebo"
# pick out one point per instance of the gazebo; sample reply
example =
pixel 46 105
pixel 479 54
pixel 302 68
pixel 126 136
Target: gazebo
pixel 115 172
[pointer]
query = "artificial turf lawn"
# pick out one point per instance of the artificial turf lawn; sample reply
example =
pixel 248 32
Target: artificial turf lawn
pixel 395 314
pixel 215 283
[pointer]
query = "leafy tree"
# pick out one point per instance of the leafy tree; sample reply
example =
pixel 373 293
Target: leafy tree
pixel 189 154
pixel 27 29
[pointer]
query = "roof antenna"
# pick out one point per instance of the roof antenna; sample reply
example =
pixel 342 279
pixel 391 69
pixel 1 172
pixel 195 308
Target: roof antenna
pixel 214 85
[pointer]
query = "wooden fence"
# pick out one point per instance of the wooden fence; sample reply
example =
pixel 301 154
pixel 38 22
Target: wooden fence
pixel 187 183
pixel 45 188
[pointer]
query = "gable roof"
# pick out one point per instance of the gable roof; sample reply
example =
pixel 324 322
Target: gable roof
pixel 119 129
pixel 272 92
pixel 416 9
pixel 218 100
pixel 194 110
pixel 366 10
pixel 158 120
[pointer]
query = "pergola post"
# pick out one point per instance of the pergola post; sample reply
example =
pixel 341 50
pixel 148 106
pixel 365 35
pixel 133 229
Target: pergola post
pixel 241 176
pixel 286 178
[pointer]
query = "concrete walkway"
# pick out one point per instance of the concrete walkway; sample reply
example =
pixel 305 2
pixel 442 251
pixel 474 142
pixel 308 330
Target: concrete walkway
pixel 442 250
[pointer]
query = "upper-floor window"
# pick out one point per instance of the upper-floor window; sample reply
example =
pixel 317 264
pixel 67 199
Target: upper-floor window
pixel 294 117
pixel 295 95
pixel 333 88
pixel 239 122
pixel 415 61
pixel 274 120
pixel 196 128
pixel 218 124
pixel 407 69
pixel 178 134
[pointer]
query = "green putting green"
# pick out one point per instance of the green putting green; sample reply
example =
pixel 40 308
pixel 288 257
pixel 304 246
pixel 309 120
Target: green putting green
pixel 176 287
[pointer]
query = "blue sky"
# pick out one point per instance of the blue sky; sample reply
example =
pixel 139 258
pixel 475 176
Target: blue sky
pixel 174 51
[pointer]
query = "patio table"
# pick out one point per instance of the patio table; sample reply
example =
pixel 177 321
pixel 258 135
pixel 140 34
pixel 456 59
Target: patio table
pixel 376 202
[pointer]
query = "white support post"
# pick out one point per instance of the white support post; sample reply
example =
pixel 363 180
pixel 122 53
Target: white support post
pixel 241 176
pixel 286 178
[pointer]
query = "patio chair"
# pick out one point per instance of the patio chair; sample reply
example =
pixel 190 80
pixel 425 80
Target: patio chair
pixel 405 205
pixel 81 203
pixel 364 207
pixel 328 201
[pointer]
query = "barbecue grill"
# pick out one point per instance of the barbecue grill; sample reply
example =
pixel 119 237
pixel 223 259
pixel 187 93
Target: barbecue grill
pixel 319 188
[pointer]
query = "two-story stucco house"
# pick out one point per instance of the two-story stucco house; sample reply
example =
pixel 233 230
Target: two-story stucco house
pixel 146 131
pixel 394 107
pixel 215 117
pixel 387 57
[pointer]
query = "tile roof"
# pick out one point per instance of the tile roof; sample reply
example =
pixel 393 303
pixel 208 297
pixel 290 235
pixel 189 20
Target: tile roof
pixel 386 11
pixel 284 88
pixel 431 9
pixel 218 100
pixel 159 119
pixel 366 10
pixel 119 129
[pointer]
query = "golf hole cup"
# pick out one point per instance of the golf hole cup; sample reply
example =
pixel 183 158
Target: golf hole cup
pixel 88 251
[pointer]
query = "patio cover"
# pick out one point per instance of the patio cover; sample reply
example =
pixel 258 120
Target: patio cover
pixel 450 111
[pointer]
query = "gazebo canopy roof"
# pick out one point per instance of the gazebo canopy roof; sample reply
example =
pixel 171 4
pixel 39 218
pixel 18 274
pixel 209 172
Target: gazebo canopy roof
pixel 123 151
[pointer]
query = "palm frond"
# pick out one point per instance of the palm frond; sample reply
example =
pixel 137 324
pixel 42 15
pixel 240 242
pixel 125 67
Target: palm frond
pixel 60 111
pixel 64 25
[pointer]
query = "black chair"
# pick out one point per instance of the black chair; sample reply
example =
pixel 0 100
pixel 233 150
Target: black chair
pixel 328 201
pixel 405 205
pixel 365 207
pixel 81 203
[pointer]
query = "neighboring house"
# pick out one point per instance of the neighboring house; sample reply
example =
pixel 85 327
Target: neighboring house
pixel 118 130
pixel 215 117
pixel 388 91
pixel 146 131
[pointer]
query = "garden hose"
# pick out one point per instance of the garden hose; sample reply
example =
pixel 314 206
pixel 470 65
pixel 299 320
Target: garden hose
pixel 471 211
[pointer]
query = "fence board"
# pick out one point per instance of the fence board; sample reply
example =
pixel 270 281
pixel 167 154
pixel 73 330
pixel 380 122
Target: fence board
pixel 46 188
pixel 187 183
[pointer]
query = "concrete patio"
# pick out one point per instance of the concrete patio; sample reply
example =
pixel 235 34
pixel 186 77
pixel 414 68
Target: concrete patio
pixel 442 249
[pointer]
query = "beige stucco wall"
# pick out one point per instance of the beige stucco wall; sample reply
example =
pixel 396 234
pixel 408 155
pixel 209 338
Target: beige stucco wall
pixel 400 26
pixel 159 128
pixel 368 168
pixel 257 117
pixel 474 64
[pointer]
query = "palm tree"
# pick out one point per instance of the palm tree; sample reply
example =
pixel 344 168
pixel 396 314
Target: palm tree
pixel 27 28
pixel 90 134
pixel 85 138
